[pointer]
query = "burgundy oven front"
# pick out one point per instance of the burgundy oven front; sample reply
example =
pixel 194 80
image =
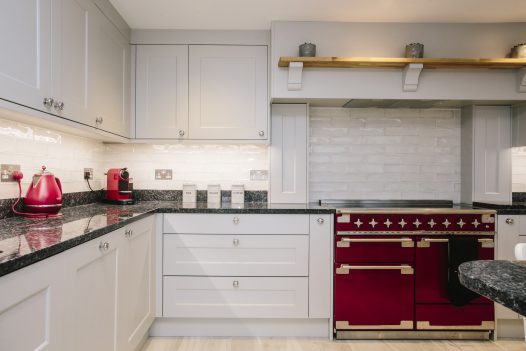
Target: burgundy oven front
pixel 391 273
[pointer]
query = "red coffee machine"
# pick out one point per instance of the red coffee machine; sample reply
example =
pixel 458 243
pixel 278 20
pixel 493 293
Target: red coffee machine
pixel 119 187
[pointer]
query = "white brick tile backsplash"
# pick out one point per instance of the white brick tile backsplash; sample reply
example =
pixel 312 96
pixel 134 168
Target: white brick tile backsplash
pixel 403 154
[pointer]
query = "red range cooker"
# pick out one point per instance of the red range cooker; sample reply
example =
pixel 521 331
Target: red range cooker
pixel 391 269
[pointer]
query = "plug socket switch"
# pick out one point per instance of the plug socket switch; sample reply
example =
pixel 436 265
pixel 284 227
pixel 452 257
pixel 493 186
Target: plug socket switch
pixel 6 172
pixel 88 173
pixel 163 174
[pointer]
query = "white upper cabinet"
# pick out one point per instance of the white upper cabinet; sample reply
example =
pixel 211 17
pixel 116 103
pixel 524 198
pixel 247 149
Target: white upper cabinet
pixel 110 78
pixel 228 92
pixel 161 92
pixel 25 42
pixel 486 154
pixel 71 66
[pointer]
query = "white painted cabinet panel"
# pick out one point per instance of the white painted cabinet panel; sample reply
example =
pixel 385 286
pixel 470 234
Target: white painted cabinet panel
pixel 509 233
pixel 288 154
pixel 94 282
pixel 235 297
pixel 161 92
pixel 519 125
pixel 26 42
pixel 110 78
pixel 136 284
pixel 32 311
pixel 73 28
pixel 236 255
pixel 320 266
pixel 206 223
pixel 228 90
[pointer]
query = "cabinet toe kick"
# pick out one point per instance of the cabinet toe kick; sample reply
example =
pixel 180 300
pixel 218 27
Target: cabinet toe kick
pixel 426 325
pixel 344 325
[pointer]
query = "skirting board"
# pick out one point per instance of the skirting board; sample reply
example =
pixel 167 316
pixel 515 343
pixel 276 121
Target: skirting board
pixel 510 328
pixel 313 328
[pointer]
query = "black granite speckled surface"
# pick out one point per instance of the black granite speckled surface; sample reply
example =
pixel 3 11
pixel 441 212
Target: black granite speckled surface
pixel 500 281
pixel 516 208
pixel 25 241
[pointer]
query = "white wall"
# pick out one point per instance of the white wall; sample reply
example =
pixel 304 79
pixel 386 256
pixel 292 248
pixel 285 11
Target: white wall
pixel 518 162
pixel 384 154
pixel 66 156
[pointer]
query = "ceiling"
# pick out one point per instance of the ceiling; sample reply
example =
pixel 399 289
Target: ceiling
pixel 257 14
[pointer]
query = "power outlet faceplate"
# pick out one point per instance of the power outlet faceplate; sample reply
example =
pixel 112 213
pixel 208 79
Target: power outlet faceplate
pixel 6 172
pixel 258 174
pixel 88 173
pixel 163 174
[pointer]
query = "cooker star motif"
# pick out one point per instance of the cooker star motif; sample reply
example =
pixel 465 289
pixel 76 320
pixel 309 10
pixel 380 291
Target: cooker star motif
pixel 446 223
pixel 461 223
pixel 358 223
pixel 417 223
pixel 475 223
pixel 373 223
pixel 431 223
pixel 388 223
pixel 402 223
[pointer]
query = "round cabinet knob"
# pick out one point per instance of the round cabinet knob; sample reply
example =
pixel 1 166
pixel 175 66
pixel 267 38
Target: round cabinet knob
pixel 235 220
pixel 261 133
pixel 510 220
pixel 235 283
pixel 99 120
pixel 321 220
pixel 181 133
pixel 235 242
pixel 48 102
pixel 128 233
pixel 58 105
pixel 104 246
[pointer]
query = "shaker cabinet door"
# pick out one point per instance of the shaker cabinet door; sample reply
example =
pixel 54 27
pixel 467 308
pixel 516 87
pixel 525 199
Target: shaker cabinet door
pixel 25 61
pixel 161 92
pixel 228 92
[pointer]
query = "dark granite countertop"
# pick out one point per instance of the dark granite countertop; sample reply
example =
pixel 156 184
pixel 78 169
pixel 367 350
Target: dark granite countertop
pixel 500 281
pixel 516 208
pixel 25 241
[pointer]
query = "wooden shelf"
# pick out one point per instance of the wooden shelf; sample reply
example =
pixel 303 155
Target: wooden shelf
pixel 394 62
pixel 412 67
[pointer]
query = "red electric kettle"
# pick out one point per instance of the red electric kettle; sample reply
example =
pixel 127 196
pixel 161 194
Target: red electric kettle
pixel 44 196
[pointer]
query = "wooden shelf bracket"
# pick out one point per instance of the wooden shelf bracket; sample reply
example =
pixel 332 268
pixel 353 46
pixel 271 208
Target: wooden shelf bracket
pixel 295 75
pixel 521 80
pixel 410 76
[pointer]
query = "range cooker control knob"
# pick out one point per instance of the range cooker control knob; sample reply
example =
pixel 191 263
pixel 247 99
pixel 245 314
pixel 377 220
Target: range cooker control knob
pixel 321 220
pixel 510 221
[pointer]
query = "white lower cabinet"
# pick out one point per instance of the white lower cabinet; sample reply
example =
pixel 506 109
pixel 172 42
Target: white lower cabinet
pixel 236 297
pixel 32 311
pixel 253 267
pixel 97 296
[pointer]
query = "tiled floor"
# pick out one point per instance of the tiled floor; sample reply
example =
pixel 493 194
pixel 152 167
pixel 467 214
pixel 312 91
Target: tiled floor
pixel 277 344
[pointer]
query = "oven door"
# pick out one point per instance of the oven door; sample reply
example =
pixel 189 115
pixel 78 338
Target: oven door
pixel 373 296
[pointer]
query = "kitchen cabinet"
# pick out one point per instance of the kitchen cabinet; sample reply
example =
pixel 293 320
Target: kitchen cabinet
pixel 32 311
pixel 288 153
pixel 519 125
pixel 486 154
pixel 228 90
pixel 109 88
pixel 26 42
pixel 161 105
pixel 511 230
pixel 136 284
pixel 65 57
pixel 94 290
pixel 247 266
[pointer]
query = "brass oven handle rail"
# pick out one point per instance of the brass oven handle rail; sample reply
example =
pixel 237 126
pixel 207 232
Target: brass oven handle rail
pixel 346 269
pixel 426 242
pixel 405 242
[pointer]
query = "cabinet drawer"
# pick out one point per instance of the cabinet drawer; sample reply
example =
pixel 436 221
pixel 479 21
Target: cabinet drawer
pixel 236 255
pixel 235 297
pixel 352 249
pixel 206 223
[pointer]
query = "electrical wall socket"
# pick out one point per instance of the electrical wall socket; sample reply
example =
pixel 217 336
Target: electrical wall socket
pixel 163 174
pixel 88 173
pixel 258 174
pixel 6 172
